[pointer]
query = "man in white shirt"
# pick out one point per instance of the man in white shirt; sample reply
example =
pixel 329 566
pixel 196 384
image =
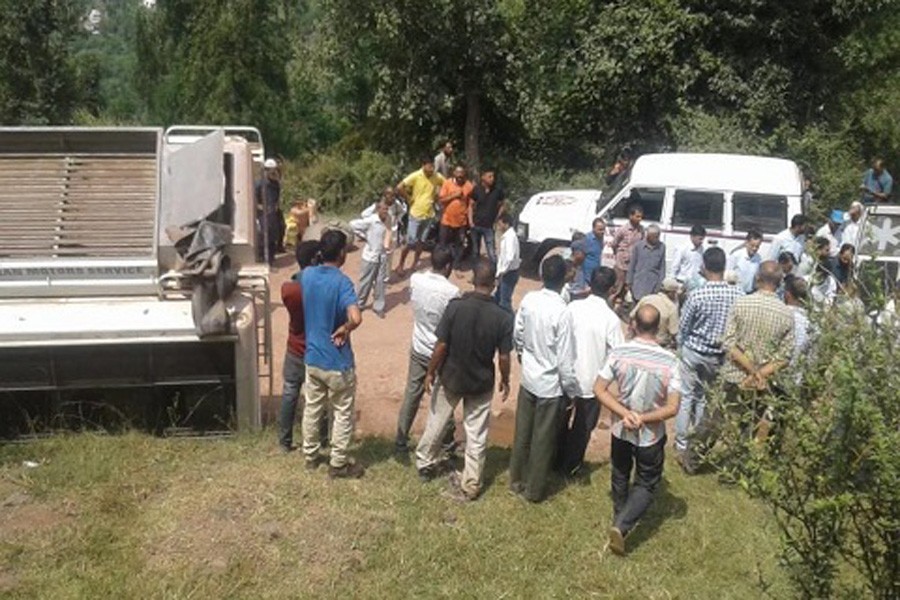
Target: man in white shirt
pixel 744 260
pixel 790 240
pixel 375 257
pixel 544 338
pixel 430 292
pixel 396 210
pixel 689 260
pixel 850 230
pixel 832 232
pixel 508 262
pixel 442 159
pixel 597 330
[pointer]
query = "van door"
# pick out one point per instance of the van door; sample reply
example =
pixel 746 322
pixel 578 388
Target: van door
pixel 694 207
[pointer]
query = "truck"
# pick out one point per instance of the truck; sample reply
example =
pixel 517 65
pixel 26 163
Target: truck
pixel 98 323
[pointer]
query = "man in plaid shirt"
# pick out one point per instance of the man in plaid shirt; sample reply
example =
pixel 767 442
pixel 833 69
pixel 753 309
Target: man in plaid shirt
pixel 759 341
pixel 703 319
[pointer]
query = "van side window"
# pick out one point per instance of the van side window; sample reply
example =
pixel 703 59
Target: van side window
pixel 650 199
pixel 698 208
pixel 766 213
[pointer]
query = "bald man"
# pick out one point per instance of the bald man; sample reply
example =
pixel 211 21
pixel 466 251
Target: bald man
pixel 758 342
pixel 649 384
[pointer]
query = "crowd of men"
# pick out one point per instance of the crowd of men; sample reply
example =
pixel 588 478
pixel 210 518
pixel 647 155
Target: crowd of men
pixel 643 340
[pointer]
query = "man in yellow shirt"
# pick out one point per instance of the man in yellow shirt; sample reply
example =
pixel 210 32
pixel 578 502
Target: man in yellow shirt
pixel 420 190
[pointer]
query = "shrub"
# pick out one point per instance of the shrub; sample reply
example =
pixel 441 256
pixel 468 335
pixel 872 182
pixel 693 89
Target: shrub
pixel 341 180
pixel 829 468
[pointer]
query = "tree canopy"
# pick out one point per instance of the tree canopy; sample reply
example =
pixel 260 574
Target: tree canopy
pixel 564 82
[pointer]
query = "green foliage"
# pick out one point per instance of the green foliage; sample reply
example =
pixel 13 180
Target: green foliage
pixel 829 468
pixel 342 180
pixel 37 77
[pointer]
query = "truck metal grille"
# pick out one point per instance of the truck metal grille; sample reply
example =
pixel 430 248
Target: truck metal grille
pixel 77 205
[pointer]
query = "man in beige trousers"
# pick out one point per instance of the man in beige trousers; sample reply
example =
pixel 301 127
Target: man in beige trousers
pixel 472 330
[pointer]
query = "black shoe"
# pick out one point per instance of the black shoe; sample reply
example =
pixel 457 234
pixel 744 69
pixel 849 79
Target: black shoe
pixel 428 474
pixel 312 465
pixel 287 449
pixel 351 470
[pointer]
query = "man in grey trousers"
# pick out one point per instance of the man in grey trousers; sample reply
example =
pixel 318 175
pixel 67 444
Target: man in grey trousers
pixel 375 256
pixel 430 293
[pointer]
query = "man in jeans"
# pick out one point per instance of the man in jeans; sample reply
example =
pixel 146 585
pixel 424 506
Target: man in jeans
pixel 508 262
pixel 430 293
pixel 703 319
pixel 648 395
pixel 472 330
pixel 294 368
pixel 545 341
pixel 330 313
pixel 488 203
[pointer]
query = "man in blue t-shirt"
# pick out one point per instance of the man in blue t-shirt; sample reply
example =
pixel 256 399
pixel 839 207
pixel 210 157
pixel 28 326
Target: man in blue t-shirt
pixel 877 184
pixel 330 312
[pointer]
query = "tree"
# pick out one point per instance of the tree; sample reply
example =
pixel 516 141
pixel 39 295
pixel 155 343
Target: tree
pixel 37 77
pixel 217 61
pixel 423 67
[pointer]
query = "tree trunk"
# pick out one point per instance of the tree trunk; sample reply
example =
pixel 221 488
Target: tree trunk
pixel 473 126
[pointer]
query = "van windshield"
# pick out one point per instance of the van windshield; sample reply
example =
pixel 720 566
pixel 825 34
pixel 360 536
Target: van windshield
pixel 650 199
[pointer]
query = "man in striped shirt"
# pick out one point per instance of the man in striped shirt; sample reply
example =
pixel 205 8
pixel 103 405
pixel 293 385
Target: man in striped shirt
pixel 649 387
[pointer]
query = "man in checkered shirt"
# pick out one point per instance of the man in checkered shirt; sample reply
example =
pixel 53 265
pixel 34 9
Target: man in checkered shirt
pixel 759 341
pixel 703 319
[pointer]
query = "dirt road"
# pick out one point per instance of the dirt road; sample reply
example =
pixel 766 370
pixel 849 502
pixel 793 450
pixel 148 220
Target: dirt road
pixel 381 347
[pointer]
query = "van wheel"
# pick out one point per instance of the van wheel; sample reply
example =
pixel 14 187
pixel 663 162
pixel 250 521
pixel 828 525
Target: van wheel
pixel 532 255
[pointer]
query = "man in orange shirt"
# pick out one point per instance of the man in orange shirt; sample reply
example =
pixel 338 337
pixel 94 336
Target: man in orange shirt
pixel 456 193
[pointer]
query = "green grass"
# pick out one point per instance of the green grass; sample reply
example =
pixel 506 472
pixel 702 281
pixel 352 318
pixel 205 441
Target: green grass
pixel 135 516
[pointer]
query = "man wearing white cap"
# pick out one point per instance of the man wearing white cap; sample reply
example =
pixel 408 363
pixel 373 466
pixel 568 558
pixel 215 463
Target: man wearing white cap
pixel 268 195
pixel 666 302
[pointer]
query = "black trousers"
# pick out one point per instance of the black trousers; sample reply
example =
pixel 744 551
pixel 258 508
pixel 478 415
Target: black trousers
pixel 454 237
pixel 578 423
pixel 632 498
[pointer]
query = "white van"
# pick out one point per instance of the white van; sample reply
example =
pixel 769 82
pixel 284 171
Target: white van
pixel 728 194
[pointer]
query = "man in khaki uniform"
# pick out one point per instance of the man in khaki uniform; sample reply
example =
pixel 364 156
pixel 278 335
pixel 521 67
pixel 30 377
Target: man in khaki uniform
pixel 666 302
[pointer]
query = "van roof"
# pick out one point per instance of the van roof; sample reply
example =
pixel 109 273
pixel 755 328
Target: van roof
pixel 733 172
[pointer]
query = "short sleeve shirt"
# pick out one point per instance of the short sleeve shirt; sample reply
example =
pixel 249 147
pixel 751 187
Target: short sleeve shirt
pixel 327 294
pixel 292 297
pixel 486 205
pixel 421 193
pixel 456 212
pixel 474 328
pixel 645 375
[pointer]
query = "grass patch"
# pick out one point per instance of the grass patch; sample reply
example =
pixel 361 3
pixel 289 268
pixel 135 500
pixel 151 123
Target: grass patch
pixel 137 516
